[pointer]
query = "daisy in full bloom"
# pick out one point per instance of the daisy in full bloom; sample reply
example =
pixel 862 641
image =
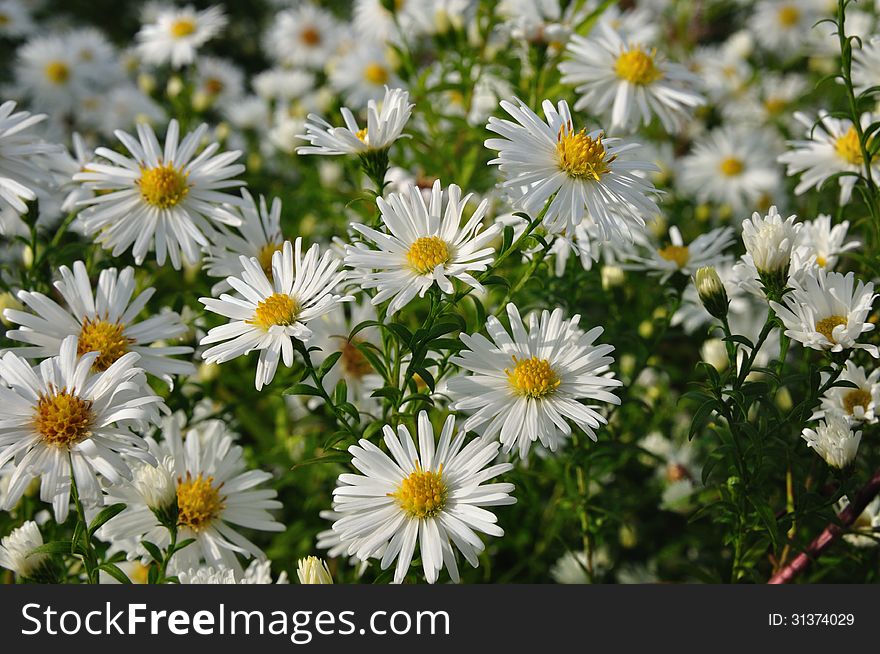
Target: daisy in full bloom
pixel 15 19
pixel 363 73
pixel 823 242
pixel 218 82
pixel 305 35
pixel 426 244
pixel 834 440
pixel 580 171
pixel 865 531
pixel 781 26
pixel 374 21
pixel 104 321
pixel 705 250
pixel 432 495
pixel 258 235
pixel 865 62
pixel 540 22
pixel 734 166
pixel 22 172
pixel 831 147
pixel 384 127
pixel 527 384
pixel 48 73
pixel 629 81
pixel 828 311
pixel 61 414
pixel 158 199
pixel 270 314
pixel 177 34
pixel 215 493
pixel 858 404
pixel 257 573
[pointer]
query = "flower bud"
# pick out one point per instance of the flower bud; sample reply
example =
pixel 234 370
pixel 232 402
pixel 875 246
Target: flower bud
pixel 769 240
pixel 17 552
pixel 312 570
pixel 711 291
pixel 157 488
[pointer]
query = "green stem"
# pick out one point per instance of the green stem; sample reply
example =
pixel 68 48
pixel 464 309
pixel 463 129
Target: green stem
pixel 89 558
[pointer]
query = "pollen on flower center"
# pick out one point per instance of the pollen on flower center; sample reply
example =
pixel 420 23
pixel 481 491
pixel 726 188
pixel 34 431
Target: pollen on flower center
pixel 362 135
pixel 354 363
pixel 826 326
pixel 856 397
pixel 774 105
pixel 214 86
pixel 731 166
pixel 182 27
pixel 163 186
pixel 104 337
pixel 789 16
pixel 678 254
pixel 533 377
pixel 199 502
pixel 310 36
pixel 637 66
pixel 63 419
pixel 277 309
pixel 57 72
pixel 426 253
pixel 422 494
pixel 848 148
pixel 264 256
pixel 580 156
pixel 376 74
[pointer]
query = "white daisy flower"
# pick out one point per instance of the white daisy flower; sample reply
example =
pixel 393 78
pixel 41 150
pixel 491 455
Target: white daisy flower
pixel 582 172
pixel 769 241
pixel 628 81
pixel 865 62
pixel 865 531
pixel 215 494
pixel 47 71
pixel 158 199
pixel 258 236
pixel 858 404
pixel 724 69
pixel 426 244
pixel 824 243
pixel 60 414
pixel 363 73
pixel 270 314
pixel 330 540
pixel 544 21
pixel 768 101
pixel 374 22
pixel 257 573
pixel 306 35
pixel 17 550
pixel 705 250
pixel 781 26
pixel 831 147
pixel 384 127
pixel 834 440
pixel 15 19
pixel 104 321
pixel 177 34
pixel 218 82
pixel 828 311
pixel 312 570
pixel 735 166
pixel 433 495
pixel 22 170
pixel 527 384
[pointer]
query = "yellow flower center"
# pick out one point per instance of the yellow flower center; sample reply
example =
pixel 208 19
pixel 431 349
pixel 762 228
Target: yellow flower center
pixel 376 74
pixel 427 253
pixel 774 105
pixel 731 166
pixel 265 256
pixel 182 27
pixel 277 309
pixel 163 186
pixel 104 337
pixel 214 86
pixel 57 72
pixel 354 363
pixel 678 254
pixel 310 36
pixel 362 134
pixel 580 156
pixel 532 377
pixel 63 419
pixel 856 397
pixel 199 502
pixel 826 326
pixel 422 494
pixel 848 148
pixel 821 261
pixel 789 16
pixel 4 19
pixel 637 66
pixel 676 472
